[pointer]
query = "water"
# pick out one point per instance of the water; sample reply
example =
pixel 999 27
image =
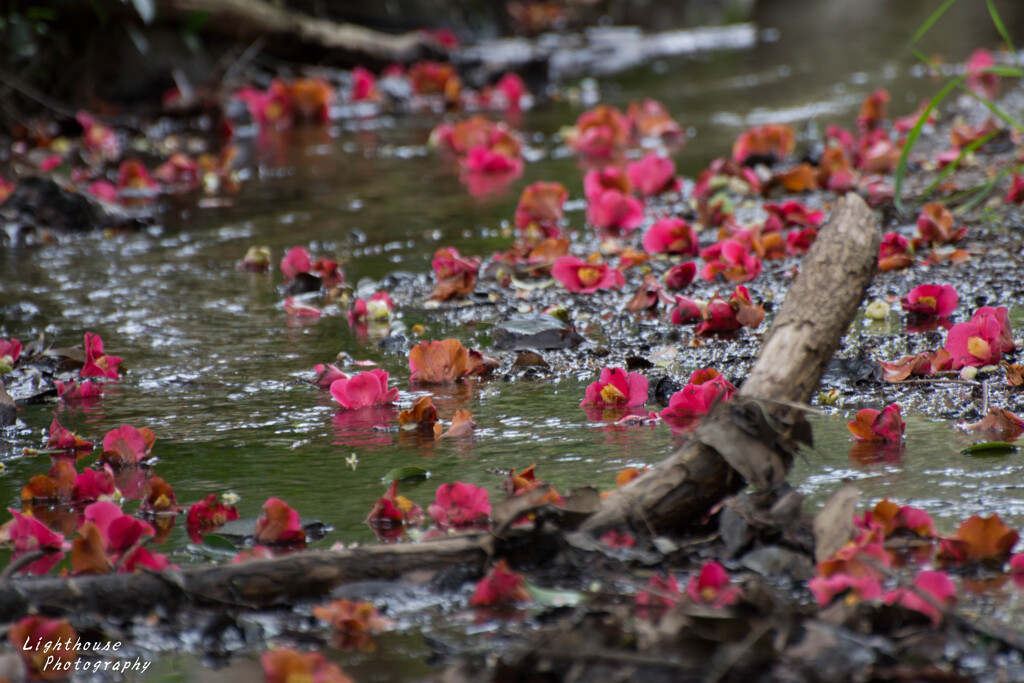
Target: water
pixel 219 372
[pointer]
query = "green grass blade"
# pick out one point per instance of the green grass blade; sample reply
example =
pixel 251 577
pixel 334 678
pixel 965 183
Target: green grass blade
pixel 998 21
pixel 936 15
pixel 914 134
pixel 985 190
pixel 956 162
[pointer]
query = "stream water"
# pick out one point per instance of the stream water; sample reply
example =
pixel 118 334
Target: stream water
pixel 220 373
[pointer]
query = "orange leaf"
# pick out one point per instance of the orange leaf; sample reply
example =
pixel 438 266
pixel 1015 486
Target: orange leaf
pixel 462 425
pixel 87 553
pixel 438 362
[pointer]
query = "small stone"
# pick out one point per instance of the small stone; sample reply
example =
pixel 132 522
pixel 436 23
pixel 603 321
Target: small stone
pixel 968 372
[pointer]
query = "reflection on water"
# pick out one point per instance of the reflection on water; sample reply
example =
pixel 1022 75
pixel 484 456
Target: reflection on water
pixel 219 372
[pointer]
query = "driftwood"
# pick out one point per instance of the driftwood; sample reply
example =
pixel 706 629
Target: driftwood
pixel 804 336
pixel 681 489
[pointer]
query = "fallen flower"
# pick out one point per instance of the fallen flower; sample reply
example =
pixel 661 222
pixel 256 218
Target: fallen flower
pixel 127 446
pixel 660 592
pixel 652 175
pixel 790 214
pixel 974 343
pixel 1000 421
pixel 73 391
pixel 98 364
pixel 597 181
pixel 541 205
pixel 286 665
pixel 979 538
pixel 764 144
pixel 616 388
pixel 57 657
pixel 732 260
pixel 353 622
pixel 460 505
pixel 64 439
pixel 379 309
pixel 686 311
pixel 705 388
pixel 671 236
pixel 857 588
pixel 297 308
pixel 890 518
pixel 932 592
pixel 893 252
pixel 438 362
pixel 935 225
pixel 711 587
pixel 931 300
pixel 10 351
pixel 614 211
pixel 872 425
pixel 278 523
pixel 327 374
pixel 586 277
pixel 680 275
pixel 207 515
pixel 363 389
pixel 599 132
pixel 501 586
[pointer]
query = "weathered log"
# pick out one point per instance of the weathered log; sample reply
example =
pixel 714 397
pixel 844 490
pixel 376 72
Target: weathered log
pixel 255 584
pixel 681 489
pixel 804 336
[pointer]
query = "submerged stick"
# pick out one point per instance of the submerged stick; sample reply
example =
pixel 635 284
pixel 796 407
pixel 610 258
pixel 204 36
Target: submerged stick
pixel 804 336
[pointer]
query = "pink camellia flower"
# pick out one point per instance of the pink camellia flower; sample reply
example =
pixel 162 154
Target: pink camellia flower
pixel 511 88
pixel 73 391
pixel 660 592
pixel 857 588
pixel 10 351
pixel 296 261
pixel 127 445
pixel 799 241
pixel 328 271
pixel 502 586
pixel 98 364
pixel 489 160
pixel 608 178
pixel 893 252
pixel 671 236
pixel 890 518
pixel 931 300
pixel 180 169
pixel 364 85
pixel 732 260
pixel 1016 193
pixel 585 277
pixel 97 138
pixel 872 425
pixel 711 587
pixel 686 311
pixel 704 389
pixel 327 374
pixel 103 189
pixel 134 178
pixel 652 175
pixel 28 533
pixel 790 214
pixel 612 210
pixel 985 84
pixel 460 505
pixel 975 343
pixel 680 275
pixel 617 388
pixel 936 585
pixel 61 438
pixel 935 225
pixel 600 132
pixel 1005 339
pixel 379 308
pixel 363 389
pixel 297 308
pixel 448 263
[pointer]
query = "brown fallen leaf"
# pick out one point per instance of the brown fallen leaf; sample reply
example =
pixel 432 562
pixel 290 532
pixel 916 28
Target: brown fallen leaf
pixel 1014 374
pixel 999 421
pixel 833 526
pixel 462 425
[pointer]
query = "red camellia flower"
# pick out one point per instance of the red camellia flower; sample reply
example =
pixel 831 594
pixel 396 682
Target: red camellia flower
pixel 718 316
pixel 652 175
pixel 711 587
pixel 650 119
pixel 73 391
pixel 890 518
pixel 64 439
pixel 732 260
pixel 893 252
pixel 660 592
pixel 790 214
pixel 612 210
pixel 617 388
pixel 671 236
pixel 872 425
pixel 586 277
pixel 207 515
pixel 327 374
pixel 686 311
pixel 127 446
pixel 97 364
pixel 460 505
pixel 492 160
pixel 931 300
pixel 57 636
pixel 363 389
pixel 1016 193
pixel 501 586
pixel 704 389
pixel 681 275
pixel 873 110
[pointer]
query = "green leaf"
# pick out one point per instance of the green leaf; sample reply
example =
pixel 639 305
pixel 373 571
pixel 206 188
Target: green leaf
pixel 407 472
pixel 990 448
pixel 554 597
pixel 931 20
pixel 218 542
